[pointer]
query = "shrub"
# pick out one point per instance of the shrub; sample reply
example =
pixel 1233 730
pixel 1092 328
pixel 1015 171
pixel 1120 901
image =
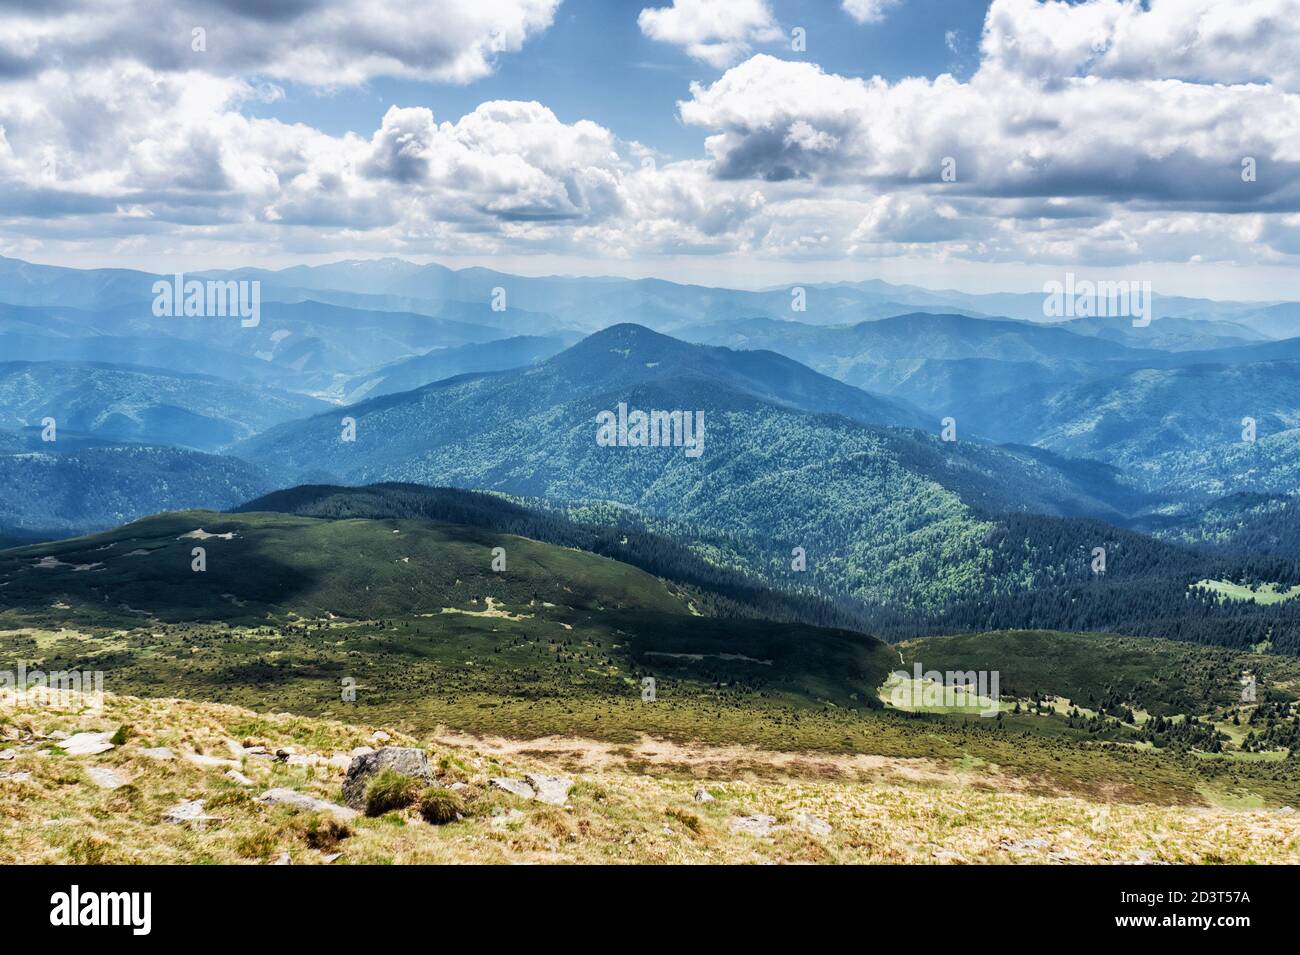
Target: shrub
pixel 323 832
pixel 390 790
pixel 121 736
pixel 258 844
pixel 439 806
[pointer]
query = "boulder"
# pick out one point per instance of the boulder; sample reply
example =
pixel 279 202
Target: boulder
pixel 212 762
pixel 188 813
pixel 105 778
pixel 703 795
pixel 288 797
pixel 553 790
pixel 759 825
pixel 87 744
pixel 516 787
pixel 406 760
pixel 235 775
pixel 812 825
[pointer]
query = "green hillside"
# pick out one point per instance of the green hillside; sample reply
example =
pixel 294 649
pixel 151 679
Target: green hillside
pixel 289 605
pixel 1162 677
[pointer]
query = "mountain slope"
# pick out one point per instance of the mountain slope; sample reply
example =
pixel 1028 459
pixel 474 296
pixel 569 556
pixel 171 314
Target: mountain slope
pixel 142 405
pixel 411 373
pixel 1131 419
pixel 87 485
pixel 884 515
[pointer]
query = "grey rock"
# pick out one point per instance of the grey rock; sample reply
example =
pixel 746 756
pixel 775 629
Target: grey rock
pixel 288 797
pixel 105 778
pixel 187 813
pixel 212 762
pixel 159 752
pixel 812 824
pixel 553 790
pixel 8 754
pixel 703 795
pixel 759 825
pixel 406 760
pixel 515 786
pixel 87 744
pixel 236 776
pixel 16 777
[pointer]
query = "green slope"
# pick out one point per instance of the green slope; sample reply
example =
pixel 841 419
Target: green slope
pixel 1162 677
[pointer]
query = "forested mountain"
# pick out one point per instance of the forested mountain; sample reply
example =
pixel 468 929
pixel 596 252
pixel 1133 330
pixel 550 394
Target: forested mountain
pixel 411 373
pixel 142 405
pixel 78 484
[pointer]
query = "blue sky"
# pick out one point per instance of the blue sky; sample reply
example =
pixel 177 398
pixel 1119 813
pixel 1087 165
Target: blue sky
pixel 595 63
pixel 977 145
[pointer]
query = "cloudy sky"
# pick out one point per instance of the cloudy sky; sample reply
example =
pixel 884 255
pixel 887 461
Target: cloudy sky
pixel 730 142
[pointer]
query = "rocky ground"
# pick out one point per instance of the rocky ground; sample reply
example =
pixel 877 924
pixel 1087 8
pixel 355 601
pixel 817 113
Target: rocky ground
pixel 174 781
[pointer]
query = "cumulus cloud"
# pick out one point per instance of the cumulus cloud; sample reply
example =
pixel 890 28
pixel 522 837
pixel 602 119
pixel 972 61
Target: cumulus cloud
pixel 1072 106
pixel 318 42
pixel 719 32
pixel 1097 132
pixel 1198 41
pixel 867 11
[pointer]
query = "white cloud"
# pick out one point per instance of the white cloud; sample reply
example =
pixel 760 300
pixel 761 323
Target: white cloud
pixel 1202 41
pixel 1064 153
pixel 719 32
pixel 867 11
pixel 318 42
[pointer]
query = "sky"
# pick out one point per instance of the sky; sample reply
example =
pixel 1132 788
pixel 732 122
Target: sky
pixel 960 144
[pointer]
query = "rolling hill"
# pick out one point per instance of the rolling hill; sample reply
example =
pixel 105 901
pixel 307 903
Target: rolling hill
pixel 142 405
pixel 886 516
pixel 412 373
pixel 89 484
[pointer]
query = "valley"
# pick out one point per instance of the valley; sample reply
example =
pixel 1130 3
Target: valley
pixel 424 535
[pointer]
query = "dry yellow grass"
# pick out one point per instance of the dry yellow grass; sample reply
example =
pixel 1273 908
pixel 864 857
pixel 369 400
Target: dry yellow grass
pixel 629 805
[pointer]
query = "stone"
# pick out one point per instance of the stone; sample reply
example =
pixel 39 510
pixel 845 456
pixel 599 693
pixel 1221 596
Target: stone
pixel 87 744
pixel 516 787
pixel 288 797
pixel 553 790
pixel 8 754
pixel 185 813
pixel 327 859
pixel 105 778
pixel 159 752
pixel 759 825
pixel 506 818
pixel 812 825
pixel 703 795
pixel 212 762
pixel 283 859
pixel 406 760
pixel 238 777
pixel 16 777
pixel 379 736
